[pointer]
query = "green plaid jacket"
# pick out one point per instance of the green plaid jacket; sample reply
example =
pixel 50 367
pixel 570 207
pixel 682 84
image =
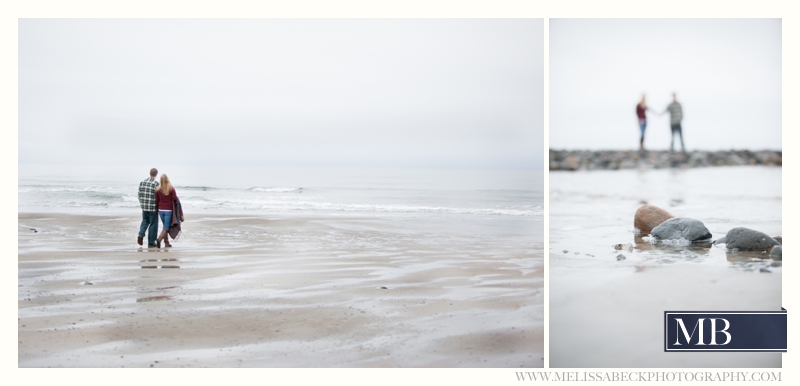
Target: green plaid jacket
pixel 675 113
pixel 147 194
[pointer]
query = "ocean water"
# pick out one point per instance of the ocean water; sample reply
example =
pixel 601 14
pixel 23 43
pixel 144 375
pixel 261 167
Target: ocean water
pixel 287 191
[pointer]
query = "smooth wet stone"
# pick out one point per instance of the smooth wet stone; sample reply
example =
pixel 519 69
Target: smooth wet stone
pixel 648 217
pixel 776 252
pixel 681 228
pixel 745 239
pixel 620 257
pixel 778 239
pixel 628 247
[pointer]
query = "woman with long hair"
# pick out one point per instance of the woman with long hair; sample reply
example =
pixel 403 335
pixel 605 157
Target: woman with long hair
pixel 641 108
pixel 165 196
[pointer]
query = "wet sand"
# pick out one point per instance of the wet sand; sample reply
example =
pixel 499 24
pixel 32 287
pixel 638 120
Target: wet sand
pixel 614 316
pixel 252 291
pixel 607 306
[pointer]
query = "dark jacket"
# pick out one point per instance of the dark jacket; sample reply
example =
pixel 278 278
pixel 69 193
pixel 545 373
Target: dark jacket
pixel 177 214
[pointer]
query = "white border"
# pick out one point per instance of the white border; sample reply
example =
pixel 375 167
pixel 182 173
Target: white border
pixel 10 10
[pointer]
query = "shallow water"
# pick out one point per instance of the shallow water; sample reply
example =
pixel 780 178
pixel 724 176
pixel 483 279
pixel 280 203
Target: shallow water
pixel 591 212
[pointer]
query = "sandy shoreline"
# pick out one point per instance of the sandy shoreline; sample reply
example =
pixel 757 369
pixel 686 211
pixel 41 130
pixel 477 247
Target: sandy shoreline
pixel 251 291
pixel 625 336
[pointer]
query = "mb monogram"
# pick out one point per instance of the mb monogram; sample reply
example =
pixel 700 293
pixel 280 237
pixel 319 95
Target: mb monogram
pixel 699 328
pixel 725 331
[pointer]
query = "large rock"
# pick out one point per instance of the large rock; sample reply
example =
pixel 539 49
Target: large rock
pixel 648 217
pixel 745 239
pixel 776 252
pixel 681 228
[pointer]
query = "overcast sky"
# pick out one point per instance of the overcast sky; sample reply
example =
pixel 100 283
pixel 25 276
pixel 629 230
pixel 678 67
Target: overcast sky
pixel 726 72
pixel 363 92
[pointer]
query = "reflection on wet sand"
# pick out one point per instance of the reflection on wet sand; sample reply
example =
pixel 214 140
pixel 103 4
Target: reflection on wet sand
pixel 746 256
pixel 293 292
pixel 744 260
pixel 153 263
pixel 151 249
pixel 750 261
pixel 153 298
pixel 646 245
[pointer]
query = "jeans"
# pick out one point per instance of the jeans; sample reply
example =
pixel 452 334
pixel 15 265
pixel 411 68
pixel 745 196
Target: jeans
pixel 642 126
pixel 166 219
pixel 149 224
pixel 676 128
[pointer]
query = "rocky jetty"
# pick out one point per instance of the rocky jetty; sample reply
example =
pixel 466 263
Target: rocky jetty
pixel 634 159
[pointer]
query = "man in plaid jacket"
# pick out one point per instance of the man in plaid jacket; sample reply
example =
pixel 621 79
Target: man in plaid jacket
pixel 675 117
pixel 147 200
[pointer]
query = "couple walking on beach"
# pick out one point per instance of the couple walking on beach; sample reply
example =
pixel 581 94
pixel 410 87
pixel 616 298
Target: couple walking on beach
pixel 159 200
pixel 675 117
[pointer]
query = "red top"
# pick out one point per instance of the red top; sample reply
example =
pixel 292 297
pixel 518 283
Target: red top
pixel 164 201
pixel 640 111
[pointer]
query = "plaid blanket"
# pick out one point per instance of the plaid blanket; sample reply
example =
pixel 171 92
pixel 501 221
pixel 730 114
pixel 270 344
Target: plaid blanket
pixel 177 214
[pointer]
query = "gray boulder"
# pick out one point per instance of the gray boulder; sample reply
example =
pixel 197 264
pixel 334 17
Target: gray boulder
pixel 776 253
pixel 681 228
pixel 745 239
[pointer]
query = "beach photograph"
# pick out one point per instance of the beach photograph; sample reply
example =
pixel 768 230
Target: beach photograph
pixel 665 178
pixel 293 193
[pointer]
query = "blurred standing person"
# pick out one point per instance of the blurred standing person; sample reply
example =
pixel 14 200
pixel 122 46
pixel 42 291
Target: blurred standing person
pixel 641 108
pixel 675 117
pixel 147 200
